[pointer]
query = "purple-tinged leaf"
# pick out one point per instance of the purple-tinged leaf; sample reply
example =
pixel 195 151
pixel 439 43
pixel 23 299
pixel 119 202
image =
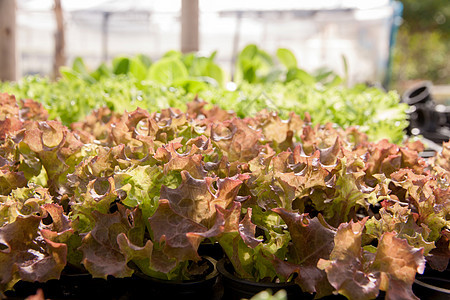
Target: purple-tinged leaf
pixel 196 199
pixel 312 239
pixel 398 263
pixel 440 256
pixel 26 255
pixel 170 228
pixel 102 254
pixel 346 269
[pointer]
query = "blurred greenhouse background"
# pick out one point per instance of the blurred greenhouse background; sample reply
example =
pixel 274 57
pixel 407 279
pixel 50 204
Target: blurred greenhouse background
pixel 320 33
pixel 380 42
pixel 423 46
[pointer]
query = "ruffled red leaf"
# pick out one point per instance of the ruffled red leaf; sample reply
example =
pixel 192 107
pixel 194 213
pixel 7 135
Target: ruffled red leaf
pixel 102 254
pixel 171 228
pixel 398 263
pixel 26 255
pixel 196 199
pixel 312 239
pixel 347 271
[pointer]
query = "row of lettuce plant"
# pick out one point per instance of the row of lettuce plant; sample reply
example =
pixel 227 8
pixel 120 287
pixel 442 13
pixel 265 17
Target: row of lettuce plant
pixel 259 83
pixel 287 200
pixel 253 65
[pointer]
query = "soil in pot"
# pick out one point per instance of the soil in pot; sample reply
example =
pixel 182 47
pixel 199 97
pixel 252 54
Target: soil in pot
pixel 206 288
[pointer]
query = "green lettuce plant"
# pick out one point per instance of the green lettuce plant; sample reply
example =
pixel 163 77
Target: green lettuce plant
pixel 254 65
pixel 184 70
pixel 261 82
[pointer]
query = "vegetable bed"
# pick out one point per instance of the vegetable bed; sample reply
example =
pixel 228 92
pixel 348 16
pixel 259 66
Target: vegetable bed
pixel 287 200
pixel 258 83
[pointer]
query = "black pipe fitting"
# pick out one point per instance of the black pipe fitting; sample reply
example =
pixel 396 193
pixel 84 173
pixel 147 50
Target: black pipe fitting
pixel 425 117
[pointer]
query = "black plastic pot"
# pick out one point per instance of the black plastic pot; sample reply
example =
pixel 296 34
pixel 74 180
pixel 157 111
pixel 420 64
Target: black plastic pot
pixel 146 287
pixel 433 288
pixel 208 249
pixel 236 288
pixel 433 284
pixel 76 286
pixel 139 286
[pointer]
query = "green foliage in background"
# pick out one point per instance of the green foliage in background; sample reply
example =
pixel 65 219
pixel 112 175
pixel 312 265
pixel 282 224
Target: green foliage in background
pixel 421 56
pixel 72 99
pixel 262 82
pixel 423 43
pixel 424 16
pixel 255 65
pixel 376 112
pixel 189 70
